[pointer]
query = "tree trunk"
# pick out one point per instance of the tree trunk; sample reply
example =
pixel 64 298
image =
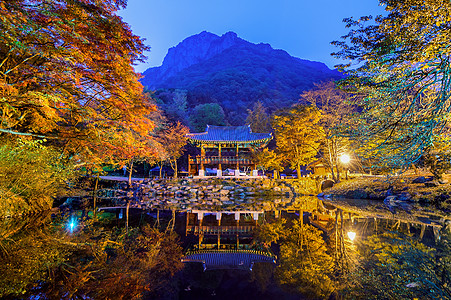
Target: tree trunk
pixel 126 214
pixel 174 167
pixel 331 160
pixel 161 168
pixel 130 174
pixel 95 196
pixel 338 169
pixel 298 171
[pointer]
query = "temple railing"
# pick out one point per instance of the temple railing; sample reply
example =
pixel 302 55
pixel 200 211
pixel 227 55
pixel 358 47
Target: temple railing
pixel 220 160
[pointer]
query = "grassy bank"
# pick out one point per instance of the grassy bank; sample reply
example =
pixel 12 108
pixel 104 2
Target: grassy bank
pixel 400 187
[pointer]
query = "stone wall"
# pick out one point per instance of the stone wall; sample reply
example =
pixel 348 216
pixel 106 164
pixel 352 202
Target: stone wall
pixel 226 188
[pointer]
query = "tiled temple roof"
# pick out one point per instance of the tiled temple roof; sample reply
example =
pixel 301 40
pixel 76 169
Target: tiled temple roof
pixel 229 134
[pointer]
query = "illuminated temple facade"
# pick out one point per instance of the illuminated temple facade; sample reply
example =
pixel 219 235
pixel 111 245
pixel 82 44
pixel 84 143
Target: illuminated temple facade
pixel 224 148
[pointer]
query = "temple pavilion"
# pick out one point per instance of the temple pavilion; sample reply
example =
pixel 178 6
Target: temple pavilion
pixel 225 147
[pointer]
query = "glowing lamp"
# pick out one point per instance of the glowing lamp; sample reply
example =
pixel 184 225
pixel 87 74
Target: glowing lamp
pixel 344 158
pixel 351 235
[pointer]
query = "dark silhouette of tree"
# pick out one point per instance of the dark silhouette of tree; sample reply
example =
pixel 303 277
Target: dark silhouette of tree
pixel 206 114
pixel 258 119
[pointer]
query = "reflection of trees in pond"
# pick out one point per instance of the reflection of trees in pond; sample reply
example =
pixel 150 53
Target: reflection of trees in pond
pixel 304 262
pixel 96 262
pixel 397 266
pixel 262 274
pixel 386 261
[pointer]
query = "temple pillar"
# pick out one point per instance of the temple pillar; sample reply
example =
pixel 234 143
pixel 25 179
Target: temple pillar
pixel 219 172
pixel 219 240
pixel 201 238
pixel 187 223
pixel 202 157
pixel 189 165
pixel 237 217
pixel 237 160
pixel 255 215
pixel 200 217
pixel 218 218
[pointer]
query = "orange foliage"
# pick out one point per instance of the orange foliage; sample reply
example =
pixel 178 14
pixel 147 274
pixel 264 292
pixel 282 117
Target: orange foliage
pixel 66 72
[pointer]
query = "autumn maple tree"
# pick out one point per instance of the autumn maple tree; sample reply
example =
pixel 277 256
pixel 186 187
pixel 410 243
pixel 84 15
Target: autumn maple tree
pixel 66 73
pixel 172 140
pixel 269 160
pixel 67 78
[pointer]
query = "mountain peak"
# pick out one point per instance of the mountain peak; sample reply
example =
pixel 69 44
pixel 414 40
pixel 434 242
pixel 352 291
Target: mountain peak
pixel 195 49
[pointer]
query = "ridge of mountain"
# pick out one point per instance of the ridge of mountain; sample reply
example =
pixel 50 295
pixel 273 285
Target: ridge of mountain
pixel 235 74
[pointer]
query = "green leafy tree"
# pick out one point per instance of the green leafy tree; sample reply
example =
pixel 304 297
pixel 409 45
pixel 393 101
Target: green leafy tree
pixel 298 135
pixel 403 73
pixel 206 114
pixel 31 174
pixel 174 104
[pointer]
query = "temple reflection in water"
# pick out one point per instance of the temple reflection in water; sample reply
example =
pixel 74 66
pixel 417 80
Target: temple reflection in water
pixel 225 239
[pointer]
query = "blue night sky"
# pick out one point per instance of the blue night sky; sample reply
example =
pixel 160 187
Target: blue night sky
pixel 302 28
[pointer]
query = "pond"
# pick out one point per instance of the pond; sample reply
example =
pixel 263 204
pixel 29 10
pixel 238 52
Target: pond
pixel 268 248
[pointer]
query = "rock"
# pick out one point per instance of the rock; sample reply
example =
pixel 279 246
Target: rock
pixel 442 197
pixel 224 192
pixel 389 192
pixel 357 194
pixel 431 184
pixel 228 187
pixel 421 179
pixel 404 196
pixel 443 181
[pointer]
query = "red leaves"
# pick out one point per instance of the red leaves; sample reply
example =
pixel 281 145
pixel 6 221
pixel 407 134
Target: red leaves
pixel 66 68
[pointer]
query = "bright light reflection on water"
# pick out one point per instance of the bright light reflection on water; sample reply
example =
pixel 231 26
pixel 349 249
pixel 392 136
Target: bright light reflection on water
pixel 72 224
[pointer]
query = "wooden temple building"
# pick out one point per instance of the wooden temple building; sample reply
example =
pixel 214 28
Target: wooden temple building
pixel 225 239
pixel 225 147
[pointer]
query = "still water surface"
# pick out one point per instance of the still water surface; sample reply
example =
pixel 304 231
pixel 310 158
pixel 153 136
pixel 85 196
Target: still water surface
pixel 300 248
